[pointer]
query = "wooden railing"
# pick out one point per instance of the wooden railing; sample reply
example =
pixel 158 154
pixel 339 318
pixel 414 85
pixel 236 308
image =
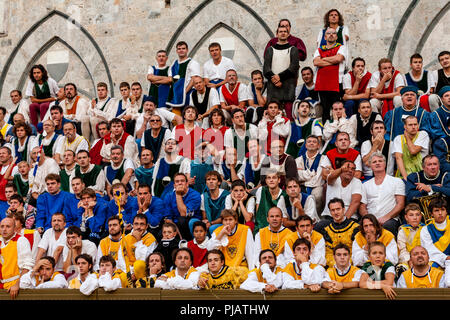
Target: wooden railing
pixel 158 294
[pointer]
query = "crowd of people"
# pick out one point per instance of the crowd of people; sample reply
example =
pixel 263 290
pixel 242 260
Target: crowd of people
pixel 207 182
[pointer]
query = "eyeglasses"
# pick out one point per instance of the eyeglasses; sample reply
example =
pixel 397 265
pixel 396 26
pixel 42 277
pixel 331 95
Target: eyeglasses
pixel 155 120
pixel 330 32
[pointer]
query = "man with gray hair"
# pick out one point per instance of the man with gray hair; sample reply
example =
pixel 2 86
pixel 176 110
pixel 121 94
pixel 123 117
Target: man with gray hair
pixel 384 195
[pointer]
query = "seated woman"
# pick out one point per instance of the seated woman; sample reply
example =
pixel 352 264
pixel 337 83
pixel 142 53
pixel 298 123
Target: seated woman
pixel 379 273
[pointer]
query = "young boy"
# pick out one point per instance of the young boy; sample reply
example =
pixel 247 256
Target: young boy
pixel 86 281
pixel 362 121
pixel 198 245
pixel 109 278
pixel 242 203
pixel 213 201
pixel 378 274
pixel 170 242
pixel 409 235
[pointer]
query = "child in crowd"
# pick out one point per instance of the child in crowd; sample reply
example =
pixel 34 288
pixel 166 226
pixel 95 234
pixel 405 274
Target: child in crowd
pixel 169 243
pixel 198 245
pixel 21 179
pixel 379 273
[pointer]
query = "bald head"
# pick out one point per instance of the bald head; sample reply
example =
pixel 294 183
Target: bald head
pixel 419 257
pixel 7 228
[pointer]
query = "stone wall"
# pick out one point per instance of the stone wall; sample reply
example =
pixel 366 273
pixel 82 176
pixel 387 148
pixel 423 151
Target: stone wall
pixel 116 40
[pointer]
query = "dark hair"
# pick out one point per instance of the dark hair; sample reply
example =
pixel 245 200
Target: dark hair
pixel 71 84
pixel 214 112
pixel 437 203
pixel 11 185
pixel 60 214
pixel 84 151
pixel 255 72
pixel 300 241
pixel 43 70
pixel 19 215
pixel 415 56
pixel 290 179
pixel 102 84
pixel 107 258
pixel 24 125
pixel 264 251
pixel 199 224
pixel 443 53
pixel 356 60
pixel 377 122
pixel 16 197
pixel 214 45
pixel 88 259
pixel 341 245
pixel 214 173
pixel 117 147
pixel 18 91
pixel 136 83
pixel 306 68
pixel 181 43
pixel 238 183
pixel 124 84
pixel 327 15
pixel 161 51
pixel 229 213
pixel 116 217
pixel 303 218
pixel 104 122
pixel 180 174
pixel 3 109
pixel 376 224
pixel 74 230
pixel 53 176
pixel 284 19
pixel 236 110
pixel 87 192
pixel 169 225
pixel 216 251
pixel 57 107
pixel 49 259
pixel 116 120
pixel 187 108
pixel 141 216
pixel 161 256
pixel 281 27
pixel 189 251
pixel 144 185
pixel 336 200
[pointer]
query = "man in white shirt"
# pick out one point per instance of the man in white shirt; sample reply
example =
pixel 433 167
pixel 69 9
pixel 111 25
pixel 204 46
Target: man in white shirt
pixel 53 241
pixel 75 246
pixel 383 196
pixel 44 276
pixel 205 99
pixel 233 94
pixel 143 120
pixel 410 148
pixel 102 108
pixel 238 135
pixel 71 141
pixel 215 69
pixel 36 176
pixel 343 185
pixel 19 105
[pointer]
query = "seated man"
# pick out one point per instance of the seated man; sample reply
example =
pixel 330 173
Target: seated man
pixel 183 276
pixel 235 240
pixel 337 156
pixel 56 114
pixel 144 173
pixel 304 229
pixel 86 281
pixel 118 136
pixel 150 109
pixel 151 206
pixel 71 141
pixel 155 138
pixel 428 181
pixel 266 278
pixel 343 275
pixel 268 196
pixel 183 205
pixel 123 205
pixel 383 196
pixel 377 143
pixel 91 174
pixel 385 85
pixel 205 99
pixel 75 246
pixel 120 170
pixel 421 274
pixel 297 204
pixel 302 127
pixel 310 171
pixel 50 202
pixel 219 275
pixel 19 106
pixel 43 276
pixel 213 201
pixel 31 235
pixel 272 237
pixel 338 230
pixel 252 165
pixel 410 148
pixel 50 140
pixel 109 277
pixel 423 81
pixel 114 246
pixel 355 86
pixel 337 124
pixel 242 202
pixel 103 129
pixel 53 241
pixel 139 244
pixel 257 97
pixel 441 148
pixel 435 236
pixel 362 121
pixel 370 230
pixel 342 184
pixel 187 134
pixel 91 216
pixel 233 94
pixel 301 273
pixel 196 169
pixel 306 90
pixel 103 108
pixel 67 169
pixel 273 126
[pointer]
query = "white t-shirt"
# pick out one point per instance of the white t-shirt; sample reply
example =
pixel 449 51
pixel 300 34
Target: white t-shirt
pixel 347 81
pixel 49 243
pixel 212 71
pixel 150 70
pixel 250 93
pixel 337 191
pixel 423 140
pixel 375 80
pixel 87 247
pixel 250 206
pixel 380 199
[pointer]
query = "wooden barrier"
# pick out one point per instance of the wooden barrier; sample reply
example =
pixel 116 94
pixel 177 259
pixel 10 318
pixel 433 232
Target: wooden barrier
pixel 192 295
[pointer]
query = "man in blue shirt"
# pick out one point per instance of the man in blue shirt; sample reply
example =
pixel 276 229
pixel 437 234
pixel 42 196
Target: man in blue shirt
pixel 128 206
pixel 182 206
pixel 152 207
pixel 51 202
